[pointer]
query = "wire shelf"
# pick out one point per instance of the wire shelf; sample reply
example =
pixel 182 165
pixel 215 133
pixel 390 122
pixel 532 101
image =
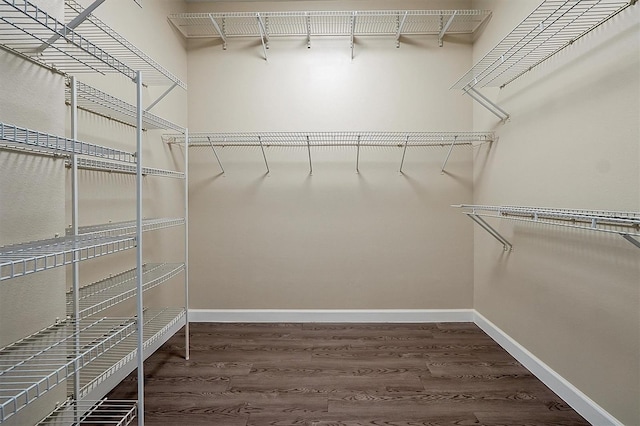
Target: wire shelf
pixel 340 139
pixel 120 360
pixel 27 258
pixel 98 102
pixel 551 27
pixel 329 23
pixel 36 364
pixel 119 229
pixel 103 294
pixel 92 413
pixel 111 167
pixel 625 224
pixel 11 136
pixel 100 33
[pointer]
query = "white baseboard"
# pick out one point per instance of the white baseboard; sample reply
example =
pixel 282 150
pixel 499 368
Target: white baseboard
pixel 331 315
pixel 580 402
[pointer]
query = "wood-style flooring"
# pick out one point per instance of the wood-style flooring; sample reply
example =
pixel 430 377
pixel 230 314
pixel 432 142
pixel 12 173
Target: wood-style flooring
pixel 342 374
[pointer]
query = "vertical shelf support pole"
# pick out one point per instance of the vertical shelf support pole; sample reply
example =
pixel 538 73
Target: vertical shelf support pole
pixel 400 25
pixel 406 142
pixel 358 156
pixel 353 32
pixel 309 150
pixel 446 26
pixel 220 32
pixel 263 154
pixel 140 352
pixel 448 154
pixel 214 153
pixel 263 35
pixel 186 243
pixel 74 225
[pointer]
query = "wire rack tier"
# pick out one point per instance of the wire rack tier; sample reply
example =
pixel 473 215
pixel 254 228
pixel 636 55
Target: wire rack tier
pixel 20 137
pixel 625 224
pixel 92 413
pixel 105 372
pixel 328 23
pixel 551 27
pixel 22 259
pixel 112 167
pixel 108 292
pixel 31 32
pixel 119 229
pixel 339 139
pixel 98 102
pixel 36 364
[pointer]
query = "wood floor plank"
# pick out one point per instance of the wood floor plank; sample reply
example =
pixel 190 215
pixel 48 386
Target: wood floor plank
pixel 342 374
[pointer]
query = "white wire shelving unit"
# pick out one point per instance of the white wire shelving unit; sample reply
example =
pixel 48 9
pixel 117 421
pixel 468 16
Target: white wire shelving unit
pixel 36 364
pixel 85 44
pixel 311 24
pixel 357 140
pixel 92 413
pixel 103 294
pixel 553 26
pixel 625 224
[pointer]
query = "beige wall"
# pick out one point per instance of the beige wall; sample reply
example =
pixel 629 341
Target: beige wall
pixel 570 297
pixel 336 239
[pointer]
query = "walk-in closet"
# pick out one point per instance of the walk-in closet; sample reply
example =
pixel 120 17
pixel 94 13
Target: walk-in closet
pixel 314 212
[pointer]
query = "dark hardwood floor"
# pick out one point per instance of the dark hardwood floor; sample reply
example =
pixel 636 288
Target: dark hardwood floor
pixel 342 374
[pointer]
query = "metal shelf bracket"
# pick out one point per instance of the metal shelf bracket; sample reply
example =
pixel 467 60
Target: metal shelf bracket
pixel 353 32
pixel 263 154
pixel 631 239
pixel 216 154
pixel 309 150
pixel 400 25
pixel 448 154
pixel 495 234
pixel 220 32
pixel 404 152
pixel 264 37
pixel 445 27
pixel 487 103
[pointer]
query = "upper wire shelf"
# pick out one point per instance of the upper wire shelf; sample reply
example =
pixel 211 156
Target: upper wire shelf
pixel 19 137
pixel 34 365
pixel 91 413
pixel 108 292
pixel 625 224
pixel 30 31
pixel 98 102
pixel 23 259
pixel 111 167
pixel 551 27
pixel 320 139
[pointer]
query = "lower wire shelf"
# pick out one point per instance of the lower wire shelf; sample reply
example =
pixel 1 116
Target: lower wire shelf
pixel 85 413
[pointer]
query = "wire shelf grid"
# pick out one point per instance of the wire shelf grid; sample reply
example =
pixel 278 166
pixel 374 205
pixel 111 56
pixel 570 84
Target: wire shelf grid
pixel 346 139
pixel 328 23
pixel 101 103
pixel 126 228
pixel 111 167
pixel 103 294
pixel 34 365
pixel 551 27
pixel 92 413
pixel 50 144
pixel 27 258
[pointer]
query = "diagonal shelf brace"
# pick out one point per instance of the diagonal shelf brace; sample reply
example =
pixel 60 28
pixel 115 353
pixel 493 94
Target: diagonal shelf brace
pixel 220 32
pixel 487 103
pixel 400 26
pixel 308 22
pixel 353 32
pixel 264 38
pixel 446 26
pixel 448 154
pixel 495 234
pixel 358 156
pixel 631 239
pixel 263 154
pixel 161 97
pixel 216 154
pixel 309 150
pixel 404 151
pixel 73 24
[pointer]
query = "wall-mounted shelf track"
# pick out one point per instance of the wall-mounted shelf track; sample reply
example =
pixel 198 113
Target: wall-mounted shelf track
pixel 118 229
pixel 36 364
pixel 98 102
pixel 105 372
pixel 625 224
pixel 108 292
pixel 27 258
pixel 104 412
pixel 309 24
pixel 308 140
pixel 20 137
pixel 551 27
pixel 112 167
